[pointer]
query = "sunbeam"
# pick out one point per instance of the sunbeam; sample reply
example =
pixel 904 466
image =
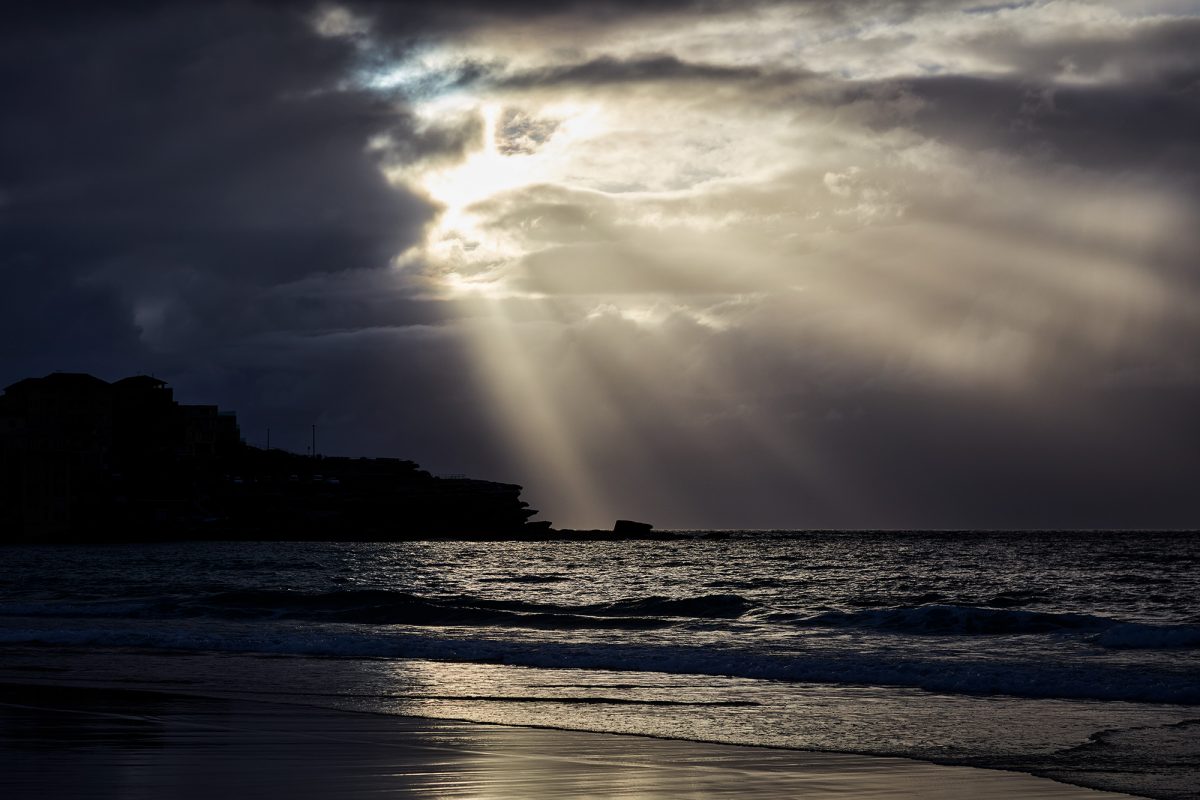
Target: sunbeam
pixel 848 351
pixel 656 256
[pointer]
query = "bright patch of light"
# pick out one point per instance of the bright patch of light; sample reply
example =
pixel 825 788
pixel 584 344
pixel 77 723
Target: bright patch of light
pixel 461 241
pixel 483 174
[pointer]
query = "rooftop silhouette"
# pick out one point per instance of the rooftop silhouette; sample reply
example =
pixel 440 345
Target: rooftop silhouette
pixel 82 459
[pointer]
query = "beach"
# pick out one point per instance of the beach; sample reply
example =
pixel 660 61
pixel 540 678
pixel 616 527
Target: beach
pixel 1067 657
pixel 75 742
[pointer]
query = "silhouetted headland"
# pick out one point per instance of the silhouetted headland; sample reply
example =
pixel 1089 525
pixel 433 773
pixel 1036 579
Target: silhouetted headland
pixel 85 460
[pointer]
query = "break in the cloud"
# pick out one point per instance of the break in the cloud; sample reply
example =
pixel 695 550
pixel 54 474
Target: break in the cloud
pixel 766 264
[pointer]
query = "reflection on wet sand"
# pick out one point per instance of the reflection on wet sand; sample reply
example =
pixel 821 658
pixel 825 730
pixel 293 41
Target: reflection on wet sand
pixel 75 743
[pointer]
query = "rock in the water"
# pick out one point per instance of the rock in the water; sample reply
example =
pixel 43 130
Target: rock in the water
pixel 628 527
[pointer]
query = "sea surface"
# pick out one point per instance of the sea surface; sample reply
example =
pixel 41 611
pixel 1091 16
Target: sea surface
pixel 1070 655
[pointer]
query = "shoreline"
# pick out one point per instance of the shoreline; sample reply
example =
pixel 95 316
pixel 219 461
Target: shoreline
pixel 190 745
pixel 536 535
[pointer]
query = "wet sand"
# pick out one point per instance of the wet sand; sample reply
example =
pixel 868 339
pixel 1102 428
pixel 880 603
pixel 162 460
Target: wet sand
pixel 62 742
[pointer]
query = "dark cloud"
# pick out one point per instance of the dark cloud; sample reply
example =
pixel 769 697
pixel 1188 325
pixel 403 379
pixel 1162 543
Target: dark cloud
pixel 606 70
pixel 1144 52
pixel 187 189
pixel 406 19
pixel 1122 99
pixel 212 137
pixel 196 156
pixel 412 18
pixel 196 190
pixel 51 321
pixel 1152 126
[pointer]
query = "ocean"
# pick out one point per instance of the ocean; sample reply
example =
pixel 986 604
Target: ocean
pixel 1069 655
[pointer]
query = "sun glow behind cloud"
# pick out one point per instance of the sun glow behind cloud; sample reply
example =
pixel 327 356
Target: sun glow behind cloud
pixel 507 158
pixel 725 236
pixel 704 262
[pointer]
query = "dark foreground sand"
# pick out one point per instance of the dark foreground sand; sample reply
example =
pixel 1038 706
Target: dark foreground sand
pixel 59 742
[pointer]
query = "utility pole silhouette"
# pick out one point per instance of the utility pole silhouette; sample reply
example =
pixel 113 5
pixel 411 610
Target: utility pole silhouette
pixel 314 441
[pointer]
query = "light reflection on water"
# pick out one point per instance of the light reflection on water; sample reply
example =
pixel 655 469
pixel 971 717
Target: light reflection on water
pixel 1003 650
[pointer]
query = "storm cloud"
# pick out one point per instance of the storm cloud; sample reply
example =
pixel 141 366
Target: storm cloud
pixel 711 264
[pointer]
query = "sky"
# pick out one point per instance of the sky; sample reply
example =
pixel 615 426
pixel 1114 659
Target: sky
pixel 703 263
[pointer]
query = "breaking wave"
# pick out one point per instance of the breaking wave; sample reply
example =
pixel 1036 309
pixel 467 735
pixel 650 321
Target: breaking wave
pixel 379 606
pixel 954 619
pixel 976 621
pixel 978 677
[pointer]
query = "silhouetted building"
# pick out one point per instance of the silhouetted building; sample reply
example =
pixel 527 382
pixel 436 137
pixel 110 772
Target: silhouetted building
pixel 78 453
pixel 57 433
pixel 82 459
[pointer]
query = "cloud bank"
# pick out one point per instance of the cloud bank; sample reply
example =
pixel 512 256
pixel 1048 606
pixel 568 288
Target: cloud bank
pixel 767 265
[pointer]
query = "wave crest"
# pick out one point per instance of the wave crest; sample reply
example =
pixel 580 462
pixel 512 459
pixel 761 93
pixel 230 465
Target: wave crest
pixel 955 619
pixel 381 606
